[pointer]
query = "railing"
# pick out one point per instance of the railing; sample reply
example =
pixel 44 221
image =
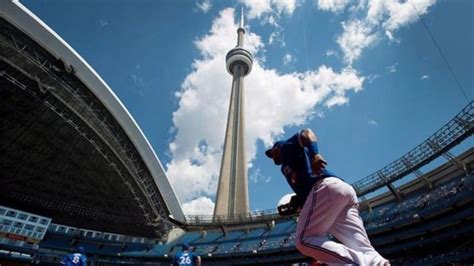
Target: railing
pixel 255 216
pixel 451 134
pixel 421 206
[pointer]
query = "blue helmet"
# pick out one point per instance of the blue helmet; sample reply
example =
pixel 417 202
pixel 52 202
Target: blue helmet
pixel 186 246
pixel 276 145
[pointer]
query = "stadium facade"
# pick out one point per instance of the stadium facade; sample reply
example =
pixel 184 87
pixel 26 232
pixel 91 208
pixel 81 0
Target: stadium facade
pixel 63 130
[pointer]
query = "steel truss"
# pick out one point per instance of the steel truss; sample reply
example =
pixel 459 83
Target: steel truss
pixel 452 133
pixel 30 68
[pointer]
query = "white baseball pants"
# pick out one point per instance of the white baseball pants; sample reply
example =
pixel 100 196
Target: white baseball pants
pixel 331 207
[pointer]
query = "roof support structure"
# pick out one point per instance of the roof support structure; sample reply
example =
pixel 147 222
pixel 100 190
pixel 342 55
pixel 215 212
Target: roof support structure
pixel 449 156
pixel 452 133
pixel 30 69
pixel 418 173
pixel 395 192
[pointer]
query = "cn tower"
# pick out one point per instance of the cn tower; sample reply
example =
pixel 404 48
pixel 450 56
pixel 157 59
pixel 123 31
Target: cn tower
pixel 232 191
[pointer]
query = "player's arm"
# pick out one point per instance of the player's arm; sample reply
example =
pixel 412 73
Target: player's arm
pixel 198 260
pixel 309 140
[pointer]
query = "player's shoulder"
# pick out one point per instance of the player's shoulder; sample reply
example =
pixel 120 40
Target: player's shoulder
pixel 307 134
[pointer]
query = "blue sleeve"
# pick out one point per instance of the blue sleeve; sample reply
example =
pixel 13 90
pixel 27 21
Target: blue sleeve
pixel 84 260
pixel 307 158
pixel 313 148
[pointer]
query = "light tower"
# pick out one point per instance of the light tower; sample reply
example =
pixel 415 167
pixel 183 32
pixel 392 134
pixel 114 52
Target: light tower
pixel 232 191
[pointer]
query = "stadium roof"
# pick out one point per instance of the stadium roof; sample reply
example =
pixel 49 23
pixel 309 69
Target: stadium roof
pixel 69 146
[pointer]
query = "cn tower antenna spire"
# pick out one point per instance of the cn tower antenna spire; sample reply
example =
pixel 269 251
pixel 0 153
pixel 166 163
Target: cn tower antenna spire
pixel 241 30
pixel 241 17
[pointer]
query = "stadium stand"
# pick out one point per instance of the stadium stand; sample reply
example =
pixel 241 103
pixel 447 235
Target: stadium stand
pixel 430 223
pixel 427 220
pixel 412 226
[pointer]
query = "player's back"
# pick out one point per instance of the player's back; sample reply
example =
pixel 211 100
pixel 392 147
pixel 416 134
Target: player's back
pixel 185 258
pixel 75 259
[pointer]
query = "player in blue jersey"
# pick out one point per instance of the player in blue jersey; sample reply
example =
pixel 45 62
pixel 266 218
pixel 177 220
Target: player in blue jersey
pixel 75 259
pixel 327 205
pixel 186 257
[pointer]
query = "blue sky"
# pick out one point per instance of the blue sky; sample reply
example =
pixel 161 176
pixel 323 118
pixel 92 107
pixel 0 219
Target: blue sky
pixel 364 75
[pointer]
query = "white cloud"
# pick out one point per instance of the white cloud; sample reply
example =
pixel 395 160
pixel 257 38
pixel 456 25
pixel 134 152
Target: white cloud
pixel 332 5
pixel 285 199
pixel 336 100
pixel 357 35
pixel 381 18
pixel 272 20
pixel 392 68
pixel 286 6
pixel 257 177
pixel 404 13
pixel 273 101
pixel 137 80
pixel 425 77
pixel 288 58
pixel 393 14
pixel 269 12
pixel 319 114
pixel 103 23
pixel 389 35
pixel 259 8
pixel 276 38
pixel 222 37
pixel 331 52
pixel 375 12
pixel 204 5
pixel 372 78
pixel 139 84
pixel 373 123
pixel 199 206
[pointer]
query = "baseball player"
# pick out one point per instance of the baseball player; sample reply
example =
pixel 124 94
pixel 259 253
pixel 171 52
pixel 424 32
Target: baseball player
pixel 186 257
pixel 329 205
pixel 75 259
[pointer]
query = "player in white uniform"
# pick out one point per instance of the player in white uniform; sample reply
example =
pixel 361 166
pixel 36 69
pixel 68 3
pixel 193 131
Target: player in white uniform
pixel 329 205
